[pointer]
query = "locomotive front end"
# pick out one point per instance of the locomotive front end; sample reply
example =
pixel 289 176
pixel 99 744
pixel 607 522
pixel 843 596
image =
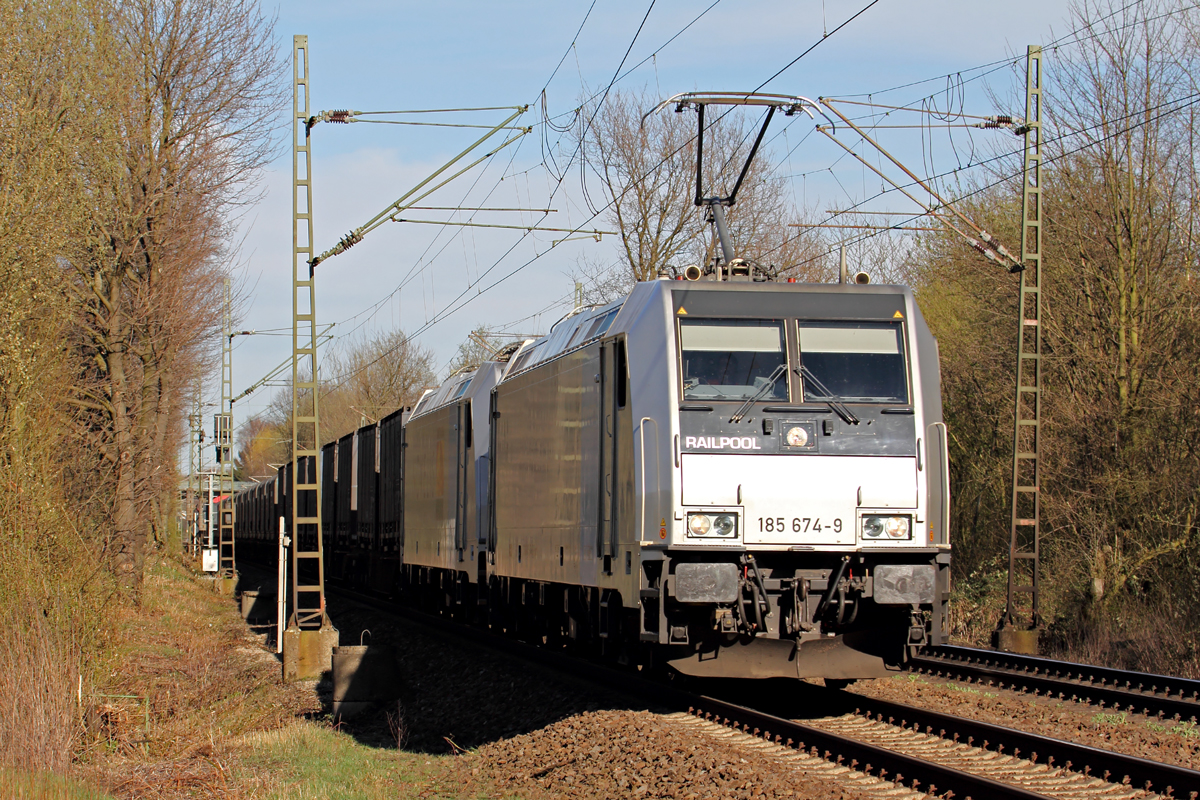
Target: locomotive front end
pixel 808 529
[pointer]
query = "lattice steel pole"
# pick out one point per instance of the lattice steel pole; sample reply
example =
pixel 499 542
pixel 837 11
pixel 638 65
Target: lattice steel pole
pixel 195 455
pixel 1019 627
pixel 201 515
pixel 225 526
pixel 310 638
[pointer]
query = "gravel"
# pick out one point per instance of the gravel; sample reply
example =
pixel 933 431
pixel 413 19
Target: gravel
pixel 526 730
pixel 635 754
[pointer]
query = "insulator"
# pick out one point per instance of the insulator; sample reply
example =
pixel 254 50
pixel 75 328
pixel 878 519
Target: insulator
pixel 998 121
pixel 341 115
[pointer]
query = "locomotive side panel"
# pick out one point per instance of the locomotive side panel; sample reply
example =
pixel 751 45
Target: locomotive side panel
pixel 546 471
pixel 937 470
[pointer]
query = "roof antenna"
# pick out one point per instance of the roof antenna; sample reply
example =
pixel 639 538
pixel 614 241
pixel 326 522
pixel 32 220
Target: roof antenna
pixel 844 273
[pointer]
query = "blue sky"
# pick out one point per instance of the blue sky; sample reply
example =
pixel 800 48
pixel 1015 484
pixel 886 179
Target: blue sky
pixel 372 56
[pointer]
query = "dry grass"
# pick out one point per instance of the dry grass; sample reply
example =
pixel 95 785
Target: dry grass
pixel 976 606
pixel 1130 635
pixel 39 670
pixel 49 628
pixel 222 725
pixel 19 785
pixel 189 658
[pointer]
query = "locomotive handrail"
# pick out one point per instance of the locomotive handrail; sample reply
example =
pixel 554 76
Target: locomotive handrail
pixel 657 472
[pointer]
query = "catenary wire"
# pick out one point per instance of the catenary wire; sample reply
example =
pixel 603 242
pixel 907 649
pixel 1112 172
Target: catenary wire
pixel 459 301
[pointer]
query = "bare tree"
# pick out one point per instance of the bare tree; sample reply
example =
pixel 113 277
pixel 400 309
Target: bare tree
pixel 262 444
pixel 184 104
pixel 482 345
pixel 367 380
pixel 1126 185
pixel 1120 482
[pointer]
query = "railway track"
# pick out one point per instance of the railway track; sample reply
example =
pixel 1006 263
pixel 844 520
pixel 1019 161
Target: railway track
pixel 1138 692
pixel 925 751
pixel 1058 767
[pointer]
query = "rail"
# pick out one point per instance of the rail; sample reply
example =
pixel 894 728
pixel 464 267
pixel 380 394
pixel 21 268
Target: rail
pixel 1140 692
pixel 871 759
pixel 1166 779
pixel 1038 759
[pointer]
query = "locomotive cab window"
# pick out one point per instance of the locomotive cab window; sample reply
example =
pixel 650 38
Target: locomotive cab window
pixel 857 362
pixel 732 359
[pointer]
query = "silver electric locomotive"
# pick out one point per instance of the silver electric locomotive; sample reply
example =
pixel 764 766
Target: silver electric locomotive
pixel 732 477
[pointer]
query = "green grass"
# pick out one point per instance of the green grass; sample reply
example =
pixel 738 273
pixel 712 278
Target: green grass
pixel 45 786
pixel 308 761
pixel 1110 719
pixel 1189 730
pixel 958 687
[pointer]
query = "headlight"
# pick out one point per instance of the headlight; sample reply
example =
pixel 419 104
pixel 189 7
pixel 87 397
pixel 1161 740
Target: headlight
pixel 712 526
pixel 886 527
pixel 725 525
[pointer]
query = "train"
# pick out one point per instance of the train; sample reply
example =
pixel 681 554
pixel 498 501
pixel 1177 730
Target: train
pixel 724 478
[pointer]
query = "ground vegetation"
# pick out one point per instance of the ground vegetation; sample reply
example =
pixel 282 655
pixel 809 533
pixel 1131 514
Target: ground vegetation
pixel 132 133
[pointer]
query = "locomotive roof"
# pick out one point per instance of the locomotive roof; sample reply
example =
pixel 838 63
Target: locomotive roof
pixel 776 299
pixel 583 326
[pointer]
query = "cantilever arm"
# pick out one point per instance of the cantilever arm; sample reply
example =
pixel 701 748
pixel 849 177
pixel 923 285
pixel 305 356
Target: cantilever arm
pixel 356 235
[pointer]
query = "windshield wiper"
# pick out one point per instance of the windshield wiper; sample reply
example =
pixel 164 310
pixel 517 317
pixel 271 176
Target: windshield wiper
pixel 830 398
pixel 771 380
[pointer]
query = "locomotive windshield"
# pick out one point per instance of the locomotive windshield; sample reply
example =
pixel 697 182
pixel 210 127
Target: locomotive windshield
pixel 731 360
pixel 859 362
